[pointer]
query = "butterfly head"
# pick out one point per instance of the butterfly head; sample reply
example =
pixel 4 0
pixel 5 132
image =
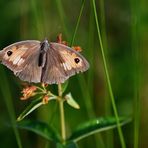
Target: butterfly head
pixel 44 45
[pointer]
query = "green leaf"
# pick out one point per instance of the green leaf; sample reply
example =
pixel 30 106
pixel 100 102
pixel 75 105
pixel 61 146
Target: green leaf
pixel 40 128
pixel 70 100
pixel 70 144
pixel 64 86
pixel 34 105
pixel 96 125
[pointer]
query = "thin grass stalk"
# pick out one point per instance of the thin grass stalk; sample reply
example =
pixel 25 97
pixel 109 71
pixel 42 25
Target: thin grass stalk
pixel 135 35
pixel 90 52
pixel 103 25
pixel 82 81
pixel 5 89
pixel 109 134
pixel 108 79
pixel 78 22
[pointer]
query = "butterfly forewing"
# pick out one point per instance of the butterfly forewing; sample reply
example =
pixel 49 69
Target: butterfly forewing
pixel 22 59
pixel 62 62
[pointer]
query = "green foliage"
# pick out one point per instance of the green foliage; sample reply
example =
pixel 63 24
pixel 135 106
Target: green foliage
pixel 95 126
pixel 67 145
pixel 39 128
pixel 33 106
pixel 82 131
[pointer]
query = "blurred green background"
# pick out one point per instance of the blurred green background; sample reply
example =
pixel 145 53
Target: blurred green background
pixel 124 33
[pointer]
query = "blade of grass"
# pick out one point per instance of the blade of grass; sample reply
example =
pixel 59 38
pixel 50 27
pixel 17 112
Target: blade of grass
pixel 109 134
pixel 6 92
pixel 81 79
pixel 91 52
pixel 82 82
pixel 103 25
pixel 135 35
pixel 78 22
pixel 108 79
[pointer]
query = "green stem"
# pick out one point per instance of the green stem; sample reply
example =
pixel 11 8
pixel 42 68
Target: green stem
pixel 108 107
pixel 88 103
pixel 135 34
pixel 108 79
pixel 78 21
pixel 61 107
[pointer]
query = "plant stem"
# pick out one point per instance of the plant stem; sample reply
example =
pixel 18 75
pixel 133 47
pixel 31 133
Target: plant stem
pixel 61 107
pixel 108 79
pixel 108 107
pixel 135 44
pixel 78 21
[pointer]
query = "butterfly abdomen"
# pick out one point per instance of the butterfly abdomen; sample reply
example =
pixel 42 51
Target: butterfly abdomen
pixel 43 50
pixel 42 59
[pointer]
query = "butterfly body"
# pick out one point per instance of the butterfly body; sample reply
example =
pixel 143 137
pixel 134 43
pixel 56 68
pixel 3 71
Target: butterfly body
pixel 43 51
pixel 36 61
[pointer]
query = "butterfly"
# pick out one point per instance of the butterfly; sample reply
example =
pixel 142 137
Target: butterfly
pixel 35 61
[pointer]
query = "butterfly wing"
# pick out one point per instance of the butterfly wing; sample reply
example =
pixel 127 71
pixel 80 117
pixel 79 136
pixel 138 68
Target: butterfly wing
pixel 22 59
pixel 61 63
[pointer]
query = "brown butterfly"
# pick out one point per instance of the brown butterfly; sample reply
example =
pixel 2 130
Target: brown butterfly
pixel 36 61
